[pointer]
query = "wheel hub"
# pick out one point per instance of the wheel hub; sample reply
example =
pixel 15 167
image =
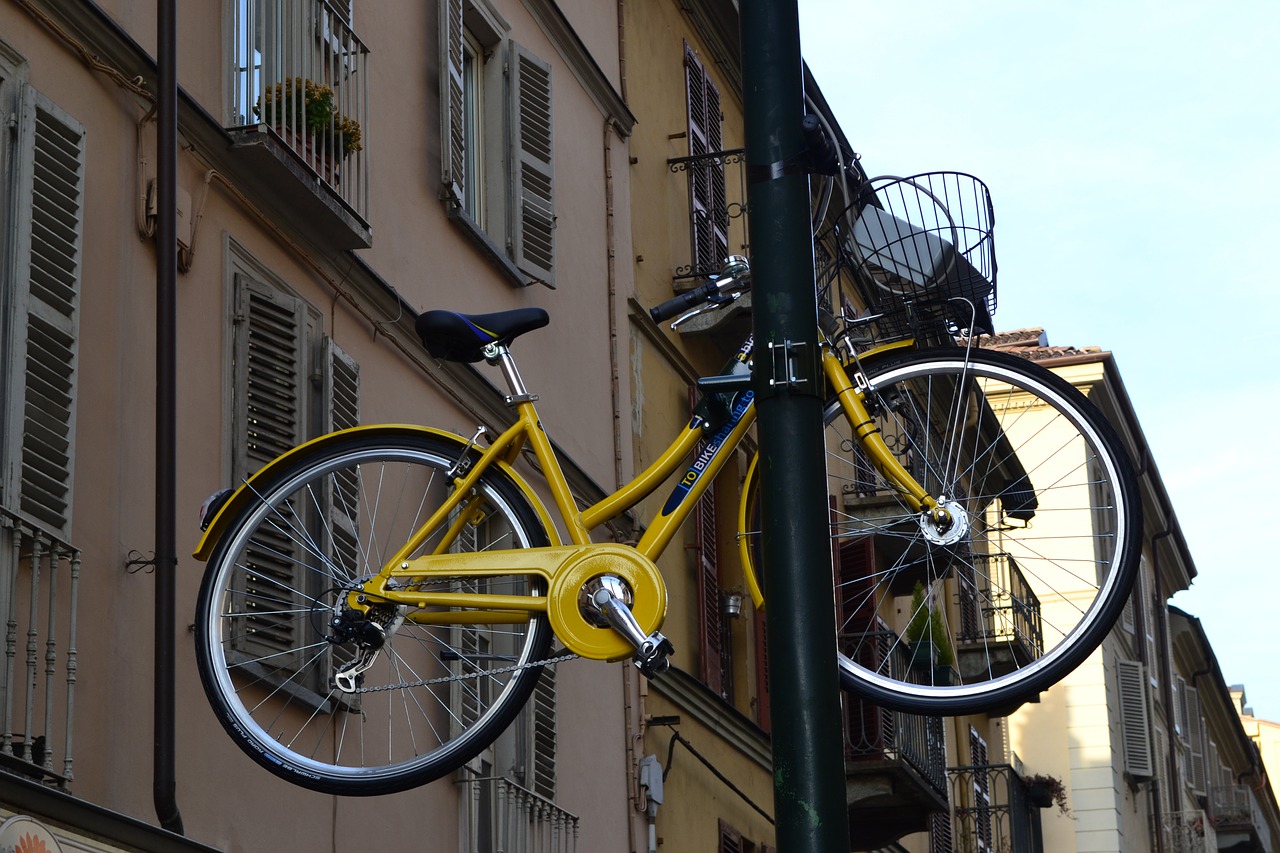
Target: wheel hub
pixel 945 525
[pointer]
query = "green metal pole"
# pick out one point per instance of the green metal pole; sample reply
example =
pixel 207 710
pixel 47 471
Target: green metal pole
pixel 809 785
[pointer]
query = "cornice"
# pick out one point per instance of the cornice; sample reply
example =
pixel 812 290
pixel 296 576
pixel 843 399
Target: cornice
pixel 695 699
pixel 561 33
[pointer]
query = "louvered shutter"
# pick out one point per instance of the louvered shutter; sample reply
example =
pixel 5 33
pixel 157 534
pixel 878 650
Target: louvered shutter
pixel 269 368
pixel 532 185
pixel 542 736
pixel 341 405
pixel 471 645
pixel 708 208
pixel 270 363
pixel 1135 729
pixel 712 658
pixel 453 152
pixel 730 839
pixel 1196 741
pixel 43 313
pixel 981 790
pixel 1180 708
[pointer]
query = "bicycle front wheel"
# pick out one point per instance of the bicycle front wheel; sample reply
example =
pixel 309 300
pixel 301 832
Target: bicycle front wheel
pixel 1008 591
pixel 352 703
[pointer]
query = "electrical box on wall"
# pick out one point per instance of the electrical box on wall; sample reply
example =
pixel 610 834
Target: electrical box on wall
pixel 184 211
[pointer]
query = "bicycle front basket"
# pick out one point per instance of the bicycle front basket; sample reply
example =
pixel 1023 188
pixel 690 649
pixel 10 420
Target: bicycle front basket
pixel 924 250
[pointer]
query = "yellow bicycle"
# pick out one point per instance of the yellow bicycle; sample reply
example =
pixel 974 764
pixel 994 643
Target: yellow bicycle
pixel 380 602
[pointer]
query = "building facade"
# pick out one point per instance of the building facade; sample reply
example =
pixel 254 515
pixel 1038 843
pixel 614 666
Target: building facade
pixel 471 155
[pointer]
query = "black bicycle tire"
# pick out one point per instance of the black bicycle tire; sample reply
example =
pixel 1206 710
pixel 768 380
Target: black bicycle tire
pixel 423 769
pixel 1011 692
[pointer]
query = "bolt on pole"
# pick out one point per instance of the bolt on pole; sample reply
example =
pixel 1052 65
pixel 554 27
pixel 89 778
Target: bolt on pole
pixel 809 785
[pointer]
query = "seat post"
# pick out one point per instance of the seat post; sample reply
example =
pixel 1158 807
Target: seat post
pixel 499 355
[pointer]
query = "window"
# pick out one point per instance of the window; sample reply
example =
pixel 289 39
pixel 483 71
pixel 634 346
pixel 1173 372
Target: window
pixel 41 299
pixel 289 383
pixel 708 205
pixel 496 140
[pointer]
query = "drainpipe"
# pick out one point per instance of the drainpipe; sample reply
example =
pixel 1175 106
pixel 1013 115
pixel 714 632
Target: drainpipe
pixel 164 780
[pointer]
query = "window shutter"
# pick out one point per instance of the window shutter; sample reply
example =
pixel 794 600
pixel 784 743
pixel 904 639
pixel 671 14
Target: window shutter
pixel 940 840
pixel 1180 708
pixel 270 364
pixel 452 125
pixel 533 204
pixel 44 313
pixel 730 839
pixel 707 580
pixel 341 399
pixel 708 208
pixel 981 790
pixel 1135 730
pixel 543 735
pixel 269 368
pixel 1196 740
pixel 341 388
pixel 473 645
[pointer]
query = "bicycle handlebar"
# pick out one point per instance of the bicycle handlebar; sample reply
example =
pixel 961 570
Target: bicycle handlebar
pixel 734 275
pixel 682 302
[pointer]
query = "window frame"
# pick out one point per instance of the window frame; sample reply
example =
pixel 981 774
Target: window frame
pixel 493 93
pixel 325 382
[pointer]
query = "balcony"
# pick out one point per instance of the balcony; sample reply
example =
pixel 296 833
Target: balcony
pixel 1187 832
pixel 717 215
pixel 503 816
pixel 1000 628
pixel 39 582
pixel 895 763
pixel 1236 820
pixel 992 812
pixel 299 112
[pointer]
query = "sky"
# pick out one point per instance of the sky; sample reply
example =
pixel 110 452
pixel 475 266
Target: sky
pixel 1132 151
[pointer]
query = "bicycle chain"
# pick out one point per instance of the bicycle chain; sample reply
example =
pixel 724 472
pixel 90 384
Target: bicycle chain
pixel 444 679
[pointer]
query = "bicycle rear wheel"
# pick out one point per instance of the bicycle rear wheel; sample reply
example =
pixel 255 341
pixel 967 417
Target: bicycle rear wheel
pixel 1039 556
pixel 275 639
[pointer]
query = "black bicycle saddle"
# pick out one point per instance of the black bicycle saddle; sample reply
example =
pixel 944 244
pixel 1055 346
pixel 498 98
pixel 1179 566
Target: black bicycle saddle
pixel 450 336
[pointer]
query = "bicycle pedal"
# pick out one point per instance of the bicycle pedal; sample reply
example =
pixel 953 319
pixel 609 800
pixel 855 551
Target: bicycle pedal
pixel 653 656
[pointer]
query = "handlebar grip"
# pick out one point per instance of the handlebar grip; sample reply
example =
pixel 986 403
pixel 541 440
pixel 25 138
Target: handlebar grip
pixel 683 302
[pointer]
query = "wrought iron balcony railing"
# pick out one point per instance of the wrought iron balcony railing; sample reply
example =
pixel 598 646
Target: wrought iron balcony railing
pixel 873 733
pixel 998 610
pixel 991 810
pixel 1234 812
pixel 1187 832
pixel 39 584
pixel 502 816
pixel 300 73
pixel 717 212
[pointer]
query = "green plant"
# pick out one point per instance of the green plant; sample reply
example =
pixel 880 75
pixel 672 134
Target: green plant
pixel 310 103
pixel 926 625
pixel 1046 790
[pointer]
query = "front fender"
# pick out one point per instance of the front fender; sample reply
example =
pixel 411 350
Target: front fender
pixel 244 493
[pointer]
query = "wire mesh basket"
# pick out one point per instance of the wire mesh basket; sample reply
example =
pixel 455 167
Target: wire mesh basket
pixel 923 252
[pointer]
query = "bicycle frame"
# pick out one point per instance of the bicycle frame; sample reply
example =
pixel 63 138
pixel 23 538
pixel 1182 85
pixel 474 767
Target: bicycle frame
pixel 635 564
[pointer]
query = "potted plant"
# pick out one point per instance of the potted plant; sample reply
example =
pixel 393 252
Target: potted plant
pixel 1044 791
pixel 297 104
pixel 930 645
